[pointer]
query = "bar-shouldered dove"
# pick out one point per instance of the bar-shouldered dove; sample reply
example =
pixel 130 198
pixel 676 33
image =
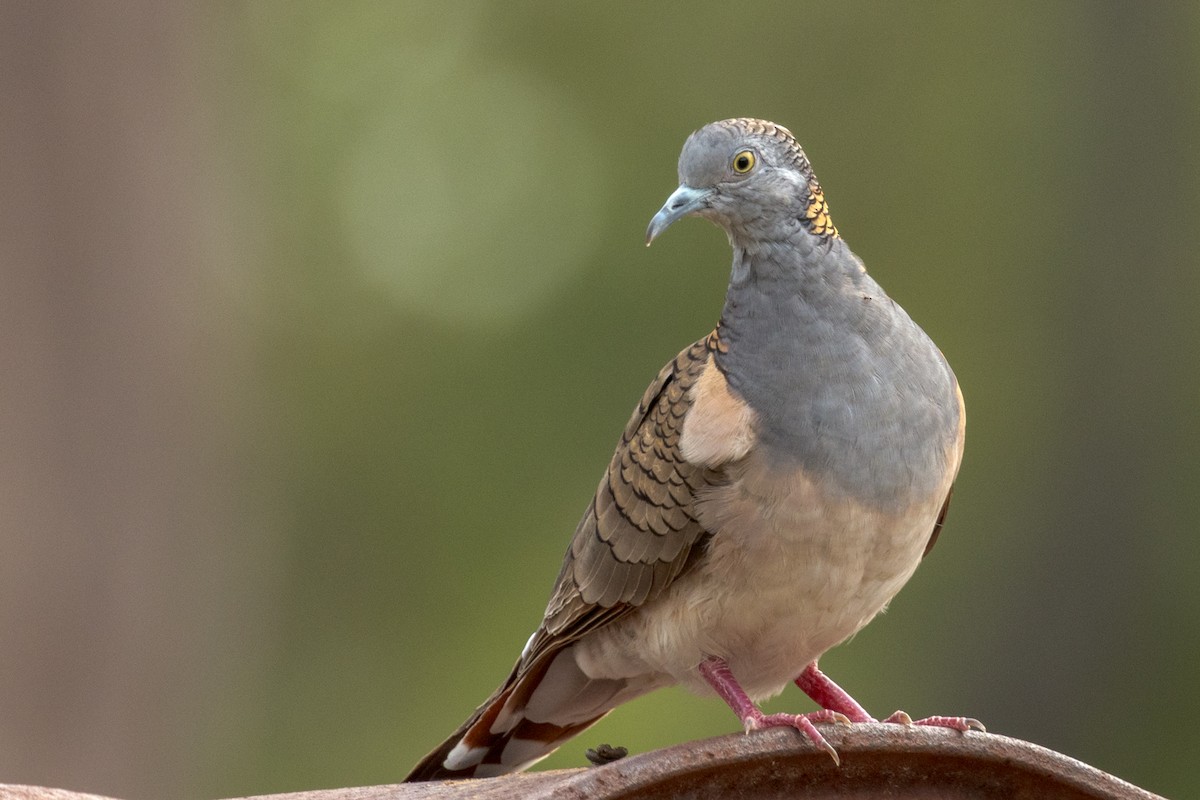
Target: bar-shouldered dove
pixel 778 483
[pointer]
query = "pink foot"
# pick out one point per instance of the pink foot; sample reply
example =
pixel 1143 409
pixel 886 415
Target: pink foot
pixel 963 724
pixel 829 695
pixel 720 677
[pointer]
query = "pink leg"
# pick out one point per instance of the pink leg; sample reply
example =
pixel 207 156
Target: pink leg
pixel 829 695
pixel 720 677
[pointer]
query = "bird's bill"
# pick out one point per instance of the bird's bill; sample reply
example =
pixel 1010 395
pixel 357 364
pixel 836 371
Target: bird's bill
pixel 683 201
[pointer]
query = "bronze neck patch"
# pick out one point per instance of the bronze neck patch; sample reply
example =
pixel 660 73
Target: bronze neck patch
pixel 816 213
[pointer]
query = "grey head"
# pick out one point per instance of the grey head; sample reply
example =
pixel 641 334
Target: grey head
pixel 749 177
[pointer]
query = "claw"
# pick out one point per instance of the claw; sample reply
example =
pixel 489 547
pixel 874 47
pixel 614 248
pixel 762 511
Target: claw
pixel 802 723
pixel 823 743
pixel 814 735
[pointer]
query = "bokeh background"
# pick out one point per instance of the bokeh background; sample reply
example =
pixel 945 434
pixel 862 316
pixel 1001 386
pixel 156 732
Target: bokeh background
pixel 318 323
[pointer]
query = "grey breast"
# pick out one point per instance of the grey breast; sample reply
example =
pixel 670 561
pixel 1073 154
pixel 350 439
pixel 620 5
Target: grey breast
pixel 844 383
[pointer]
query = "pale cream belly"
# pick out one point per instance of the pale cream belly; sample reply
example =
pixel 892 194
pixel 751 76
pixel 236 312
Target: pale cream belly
pixel 791 572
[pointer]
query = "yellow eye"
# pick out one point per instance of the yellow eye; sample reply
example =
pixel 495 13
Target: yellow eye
pixel 743 162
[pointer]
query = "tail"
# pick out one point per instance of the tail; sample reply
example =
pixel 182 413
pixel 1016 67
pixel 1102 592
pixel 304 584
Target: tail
pixel 539 707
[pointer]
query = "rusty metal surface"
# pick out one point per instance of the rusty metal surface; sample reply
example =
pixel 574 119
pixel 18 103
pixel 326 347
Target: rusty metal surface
pixel 878 761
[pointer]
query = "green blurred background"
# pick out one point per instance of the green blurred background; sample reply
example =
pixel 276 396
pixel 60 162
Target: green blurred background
pixel 318 323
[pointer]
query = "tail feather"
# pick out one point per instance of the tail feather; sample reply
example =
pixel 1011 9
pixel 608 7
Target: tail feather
pixel 531 715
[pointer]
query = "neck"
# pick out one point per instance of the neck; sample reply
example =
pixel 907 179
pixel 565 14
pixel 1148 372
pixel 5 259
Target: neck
pixel 795 277
pixel 796 254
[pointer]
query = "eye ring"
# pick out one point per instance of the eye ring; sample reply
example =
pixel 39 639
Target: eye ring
pixel 743 161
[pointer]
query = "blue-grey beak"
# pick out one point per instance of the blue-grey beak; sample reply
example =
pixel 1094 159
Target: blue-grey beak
pixel 683 201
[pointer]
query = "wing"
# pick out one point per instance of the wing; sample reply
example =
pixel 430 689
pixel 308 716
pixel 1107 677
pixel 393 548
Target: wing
pixel 639 533
pixel 959 441
pixel 941 522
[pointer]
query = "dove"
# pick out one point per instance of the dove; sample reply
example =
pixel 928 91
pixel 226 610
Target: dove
pixel 778 483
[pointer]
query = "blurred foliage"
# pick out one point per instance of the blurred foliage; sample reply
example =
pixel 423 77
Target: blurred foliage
pixel 450 313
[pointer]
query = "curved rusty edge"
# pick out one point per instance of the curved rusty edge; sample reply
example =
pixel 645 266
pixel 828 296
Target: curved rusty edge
pixel 877 760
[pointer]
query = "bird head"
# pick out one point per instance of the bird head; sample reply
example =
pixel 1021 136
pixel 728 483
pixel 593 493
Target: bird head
pixel 749 177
